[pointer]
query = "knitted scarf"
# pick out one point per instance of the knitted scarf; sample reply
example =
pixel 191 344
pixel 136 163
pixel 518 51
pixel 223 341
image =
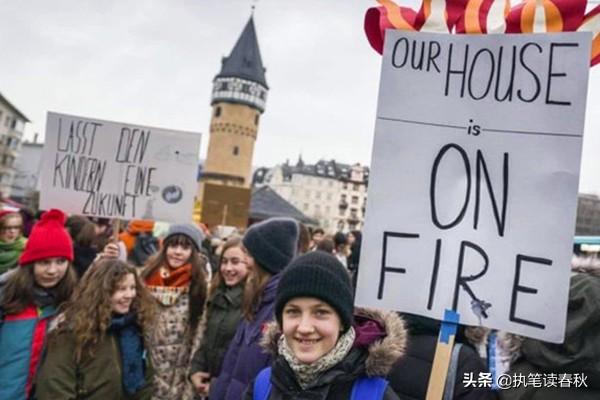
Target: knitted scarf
pixel 10 253
pixel 171 277
pixel 167 284
pixel 307 374
pixel 132 351
pixel 43 297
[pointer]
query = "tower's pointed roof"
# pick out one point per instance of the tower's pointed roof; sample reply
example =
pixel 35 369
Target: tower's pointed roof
pixel 244 60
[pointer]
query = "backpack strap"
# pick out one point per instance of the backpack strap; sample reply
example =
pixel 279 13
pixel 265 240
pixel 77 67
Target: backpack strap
pixel 262 385
pixel 369 388
pixel 452 369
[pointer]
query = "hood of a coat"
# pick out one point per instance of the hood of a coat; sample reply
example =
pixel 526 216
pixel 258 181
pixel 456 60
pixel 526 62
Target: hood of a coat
pixel 580 350
pixel 383 349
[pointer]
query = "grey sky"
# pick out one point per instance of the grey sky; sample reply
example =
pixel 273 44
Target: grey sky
pixel 152 62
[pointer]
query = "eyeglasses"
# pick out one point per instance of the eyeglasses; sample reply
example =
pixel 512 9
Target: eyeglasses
pixel 13 227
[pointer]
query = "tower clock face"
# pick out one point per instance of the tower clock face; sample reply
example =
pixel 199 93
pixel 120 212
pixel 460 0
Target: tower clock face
pixel 240 91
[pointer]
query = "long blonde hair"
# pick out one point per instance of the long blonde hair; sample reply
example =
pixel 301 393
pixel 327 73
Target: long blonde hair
pixel 253 291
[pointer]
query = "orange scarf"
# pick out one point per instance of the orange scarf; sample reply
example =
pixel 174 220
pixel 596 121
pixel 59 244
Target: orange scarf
pixel 171 277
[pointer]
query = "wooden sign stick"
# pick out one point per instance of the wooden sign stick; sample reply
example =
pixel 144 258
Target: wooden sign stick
pixel 443 354
pixel 116 226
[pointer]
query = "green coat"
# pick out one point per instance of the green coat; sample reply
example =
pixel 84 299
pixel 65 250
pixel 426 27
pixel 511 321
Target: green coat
pixel 99 376
pixel 224 314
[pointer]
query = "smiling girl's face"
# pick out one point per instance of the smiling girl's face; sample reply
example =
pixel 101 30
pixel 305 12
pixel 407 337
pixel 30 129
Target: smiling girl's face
pixel 311 328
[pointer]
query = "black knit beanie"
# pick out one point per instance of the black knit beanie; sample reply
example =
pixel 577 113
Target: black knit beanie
pixel 320 275
pixel 272 243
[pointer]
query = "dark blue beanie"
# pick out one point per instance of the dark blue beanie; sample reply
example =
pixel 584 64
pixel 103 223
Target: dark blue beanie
pixel 272 243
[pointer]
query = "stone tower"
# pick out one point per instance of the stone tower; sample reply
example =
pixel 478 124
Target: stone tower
pixel 238 99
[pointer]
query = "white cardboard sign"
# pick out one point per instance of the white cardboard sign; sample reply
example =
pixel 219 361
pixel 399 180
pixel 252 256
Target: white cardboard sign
pixel 118 170
pixel 474 177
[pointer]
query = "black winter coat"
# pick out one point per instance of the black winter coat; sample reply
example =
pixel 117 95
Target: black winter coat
pixel 410 376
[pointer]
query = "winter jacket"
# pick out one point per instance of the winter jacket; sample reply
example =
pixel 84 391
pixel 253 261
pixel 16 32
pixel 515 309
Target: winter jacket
pixel 95 378
pixel 245 358
pixel 410 376
pixel 22 342
pixel 578 354
pixel 171 346
pixel 224 313
pixel 373 357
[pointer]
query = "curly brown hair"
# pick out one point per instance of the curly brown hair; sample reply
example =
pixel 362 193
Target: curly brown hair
pixel 88 315
pixel 198 285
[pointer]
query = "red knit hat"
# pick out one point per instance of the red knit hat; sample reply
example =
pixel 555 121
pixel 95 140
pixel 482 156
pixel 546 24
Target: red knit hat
pixel 4 213
pixel 48 238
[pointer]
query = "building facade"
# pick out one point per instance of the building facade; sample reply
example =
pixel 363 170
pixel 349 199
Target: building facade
pixel 26 183
pixel 588 215
pixel 333 193
pixel 12 125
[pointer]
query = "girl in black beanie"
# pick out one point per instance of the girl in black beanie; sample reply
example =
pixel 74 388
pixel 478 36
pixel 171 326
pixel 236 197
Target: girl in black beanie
pixel 322 347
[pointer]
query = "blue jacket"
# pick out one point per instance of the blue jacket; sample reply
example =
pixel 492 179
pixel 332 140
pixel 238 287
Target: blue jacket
pixel 22 341
pixel 245 357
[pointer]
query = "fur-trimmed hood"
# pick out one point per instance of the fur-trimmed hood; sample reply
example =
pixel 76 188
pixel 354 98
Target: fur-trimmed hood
pixel 383 351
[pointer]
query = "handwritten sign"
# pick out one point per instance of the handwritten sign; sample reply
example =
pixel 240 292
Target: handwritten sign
pixel 117 170
pixel 474 176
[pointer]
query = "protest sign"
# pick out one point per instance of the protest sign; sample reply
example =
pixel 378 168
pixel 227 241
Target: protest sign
pixel 225 205
pixel 474 177
pixel 118 170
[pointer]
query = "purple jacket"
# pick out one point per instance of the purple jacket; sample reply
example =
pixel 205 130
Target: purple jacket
pixel 245 358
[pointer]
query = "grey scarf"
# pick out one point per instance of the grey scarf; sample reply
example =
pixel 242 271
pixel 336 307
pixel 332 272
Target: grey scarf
pixel 307 374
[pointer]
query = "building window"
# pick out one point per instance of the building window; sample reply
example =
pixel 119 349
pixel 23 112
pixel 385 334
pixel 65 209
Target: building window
pixel 345 186
pixel 217 111
pixel 355 187
pixel 256 118
pixel 342 212
pixel 318 195
pixel 7 121
pixel 236 150
pixel 245 88
pixel 354 199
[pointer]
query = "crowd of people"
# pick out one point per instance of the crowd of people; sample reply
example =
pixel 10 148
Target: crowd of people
pixel 90 313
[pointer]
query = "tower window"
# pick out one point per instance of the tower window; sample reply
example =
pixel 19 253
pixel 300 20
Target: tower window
pixel 256 118
pixel 218 111
pixel 236 150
